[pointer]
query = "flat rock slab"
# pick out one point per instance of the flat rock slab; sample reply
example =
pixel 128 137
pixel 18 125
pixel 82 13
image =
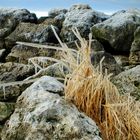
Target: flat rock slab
pixel 10 72
pixel 22 53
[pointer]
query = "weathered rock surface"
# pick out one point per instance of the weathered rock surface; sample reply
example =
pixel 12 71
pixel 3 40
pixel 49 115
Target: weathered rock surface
pixel 10 91
pixel 7 25
pixel 9 19
pixel 116 33
pixel 56 12
pixel 50 84
pixel 57 16
pixel 82 17
pixel 109 63
pixel 29 32
pixel 129 82
pixel 18 14
pixel 57 21
pixel 22 53
pixel 122 60
pixel 41 114
pixel 96 46
pixel 41 111
pixel 134 57
pixel 10 72
pixel 55 70
pixel 6 109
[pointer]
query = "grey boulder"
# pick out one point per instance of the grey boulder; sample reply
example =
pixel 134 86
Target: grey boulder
pixel 82 17
pixel 9 18
pixel 42 114
pixel 128 82
pixel 56 12
pixel 22 53
pixel 10 72
pixel 117 32
pixel 109 63
pixel 29 32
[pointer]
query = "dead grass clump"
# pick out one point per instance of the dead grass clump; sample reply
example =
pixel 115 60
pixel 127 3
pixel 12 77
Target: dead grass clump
pixel 117 116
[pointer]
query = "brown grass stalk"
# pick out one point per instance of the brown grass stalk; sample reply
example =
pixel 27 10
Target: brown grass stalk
pixel 118 116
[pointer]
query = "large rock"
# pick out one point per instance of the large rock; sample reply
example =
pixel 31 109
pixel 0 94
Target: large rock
pixel 22 53
pixel 134 57
pixel 11 90
pixel 7 25
pixel 96 46
pixel 46 116
pixel 57 16
pixel 56 12
pixel 10 72
pixel 55 70
pixel 117 32
pixel 54 21
pixel 19 14
pixel 82 17
pixel 9 18
pixel 129 82
pixel 29 32
pixel 6 109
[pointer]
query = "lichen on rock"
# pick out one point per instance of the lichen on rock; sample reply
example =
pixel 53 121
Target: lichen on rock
pixel 43 114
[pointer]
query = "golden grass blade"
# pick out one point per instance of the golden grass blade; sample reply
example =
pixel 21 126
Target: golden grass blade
pixel 118 116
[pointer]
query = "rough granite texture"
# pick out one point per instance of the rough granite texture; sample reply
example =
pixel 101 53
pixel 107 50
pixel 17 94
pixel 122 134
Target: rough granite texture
pixel 128 82
pixel 9 19
pixel 117 32
pixel 10 72
pixel 22 53
pixel 82 17
pixel 42 114
pixel 29 32
pixel 6 109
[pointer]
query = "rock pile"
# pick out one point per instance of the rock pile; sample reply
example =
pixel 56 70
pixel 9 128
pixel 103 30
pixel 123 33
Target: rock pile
pixel 39 111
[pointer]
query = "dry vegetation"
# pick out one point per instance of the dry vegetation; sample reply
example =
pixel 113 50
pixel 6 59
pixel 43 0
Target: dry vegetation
pixel 117 116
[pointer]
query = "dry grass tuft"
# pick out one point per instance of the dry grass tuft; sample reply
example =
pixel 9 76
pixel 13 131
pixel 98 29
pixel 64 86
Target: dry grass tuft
pixel 118 116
